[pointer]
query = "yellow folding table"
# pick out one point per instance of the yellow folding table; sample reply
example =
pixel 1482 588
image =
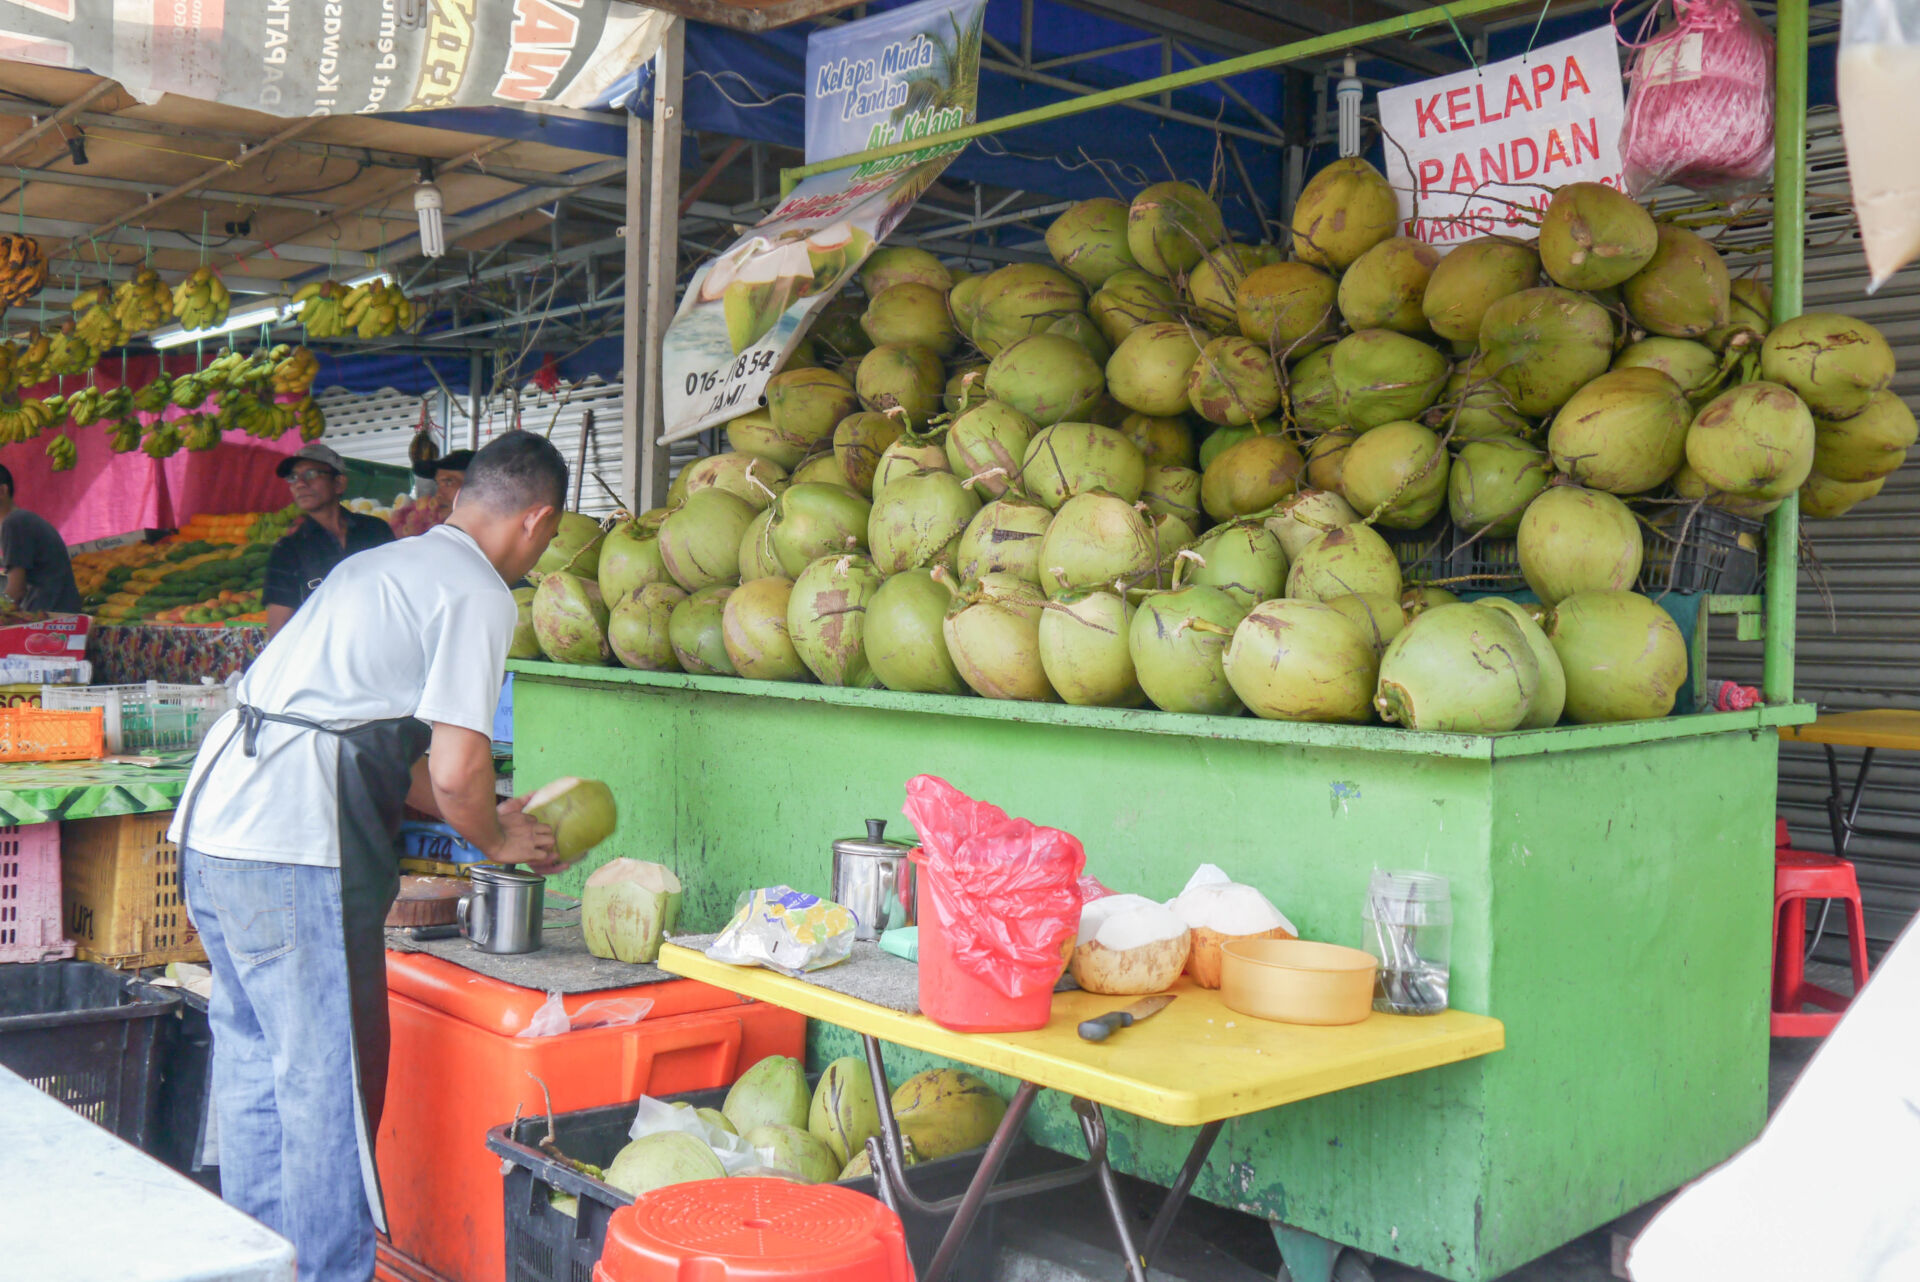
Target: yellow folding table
pixel 1195 1064
pixel 1871 729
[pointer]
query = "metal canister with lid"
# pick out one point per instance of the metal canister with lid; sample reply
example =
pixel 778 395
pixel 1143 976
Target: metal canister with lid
pixel 873 879
pixel 504 909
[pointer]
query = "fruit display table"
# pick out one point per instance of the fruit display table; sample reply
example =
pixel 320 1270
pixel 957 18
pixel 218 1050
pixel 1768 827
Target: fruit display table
pixel 181 654
pixel 42 792
pixel 1146 1071
pixel 1611 892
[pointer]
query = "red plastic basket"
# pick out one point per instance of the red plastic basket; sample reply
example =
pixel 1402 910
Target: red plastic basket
pixel 30 895
pixel 35 734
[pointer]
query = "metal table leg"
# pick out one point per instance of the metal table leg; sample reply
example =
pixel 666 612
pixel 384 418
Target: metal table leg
pixel 887 1153
pixel 1843 818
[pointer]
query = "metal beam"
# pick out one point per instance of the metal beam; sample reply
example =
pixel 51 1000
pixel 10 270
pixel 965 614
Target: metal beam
pixel 377 158
pixel 62 178
pixel 660 271
pixel 26 138
pixel 1789 264
pixel 1002 67
pixel 246 157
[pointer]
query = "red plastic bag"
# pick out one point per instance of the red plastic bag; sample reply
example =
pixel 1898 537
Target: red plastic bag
pixel 1006 891
pixel 1700 107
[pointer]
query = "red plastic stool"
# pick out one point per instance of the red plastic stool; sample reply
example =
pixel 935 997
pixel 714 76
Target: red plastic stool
pixel 1798 876
pixel 754 1230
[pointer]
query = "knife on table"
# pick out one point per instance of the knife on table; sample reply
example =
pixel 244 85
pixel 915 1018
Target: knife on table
pixel 1096 1029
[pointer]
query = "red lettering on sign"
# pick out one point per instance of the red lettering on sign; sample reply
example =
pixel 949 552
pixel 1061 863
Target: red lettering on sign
pixel 1532 161
pixel 1589 141
pixel 1462 175
pixel 1480 97
pixel 1457 104
pixel 1556 150
pixel 1428 112
pixel 529 74
pixel 1517 99
pixel 1541 86
pixel 1570 78
pixel 1493 164
pixel 539 22
pixel 1431 172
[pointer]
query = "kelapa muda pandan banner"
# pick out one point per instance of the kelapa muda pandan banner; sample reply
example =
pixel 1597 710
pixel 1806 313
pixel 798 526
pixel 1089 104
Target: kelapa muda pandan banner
pixel 332 57
pixel 909 73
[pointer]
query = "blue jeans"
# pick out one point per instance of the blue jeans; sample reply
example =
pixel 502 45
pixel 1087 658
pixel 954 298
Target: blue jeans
pixel 283 1070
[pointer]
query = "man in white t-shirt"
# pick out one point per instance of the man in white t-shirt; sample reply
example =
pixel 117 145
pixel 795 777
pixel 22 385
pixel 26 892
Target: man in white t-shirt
pixel 288 835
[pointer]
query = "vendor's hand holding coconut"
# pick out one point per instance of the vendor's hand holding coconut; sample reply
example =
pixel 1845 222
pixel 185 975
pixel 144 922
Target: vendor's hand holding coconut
pixel 524 839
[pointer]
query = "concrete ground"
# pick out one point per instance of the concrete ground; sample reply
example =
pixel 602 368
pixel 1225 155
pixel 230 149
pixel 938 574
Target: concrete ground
pixel 1066 1237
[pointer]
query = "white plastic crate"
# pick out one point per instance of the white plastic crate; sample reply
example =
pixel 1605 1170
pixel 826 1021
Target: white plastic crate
pixel 154 717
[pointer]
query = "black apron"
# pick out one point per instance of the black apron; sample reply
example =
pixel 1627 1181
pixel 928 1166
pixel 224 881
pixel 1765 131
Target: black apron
pixel 374 773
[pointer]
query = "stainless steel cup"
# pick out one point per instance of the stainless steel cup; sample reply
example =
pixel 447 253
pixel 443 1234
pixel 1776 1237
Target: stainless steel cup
pixel 873 879
pixel 503 911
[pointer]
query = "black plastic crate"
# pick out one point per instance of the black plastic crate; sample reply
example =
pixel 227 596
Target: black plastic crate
pixel 91 1037
pixel 186 1094
pixel 1422 553
pixel 547 1245
pixel 1702 548
pixel 1487 564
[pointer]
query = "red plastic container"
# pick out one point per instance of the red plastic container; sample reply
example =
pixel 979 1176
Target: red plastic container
pixel 953 998
pixel 754 1230
pixel 456 1070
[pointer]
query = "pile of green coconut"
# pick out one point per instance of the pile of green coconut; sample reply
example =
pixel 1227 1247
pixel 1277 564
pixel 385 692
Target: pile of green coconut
pixel 1170 469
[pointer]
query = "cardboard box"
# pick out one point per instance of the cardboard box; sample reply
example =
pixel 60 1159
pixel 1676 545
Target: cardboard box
pixel 53 635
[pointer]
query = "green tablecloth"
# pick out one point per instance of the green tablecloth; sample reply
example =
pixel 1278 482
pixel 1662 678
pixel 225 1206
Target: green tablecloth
pixel 36 792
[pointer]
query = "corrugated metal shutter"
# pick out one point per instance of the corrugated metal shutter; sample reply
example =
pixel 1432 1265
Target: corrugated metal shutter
pixel 379 426
pixel 1859 617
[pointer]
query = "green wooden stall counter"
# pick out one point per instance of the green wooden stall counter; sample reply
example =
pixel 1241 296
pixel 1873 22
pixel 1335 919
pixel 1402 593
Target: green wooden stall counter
pixel 41 792
pixel 1612 888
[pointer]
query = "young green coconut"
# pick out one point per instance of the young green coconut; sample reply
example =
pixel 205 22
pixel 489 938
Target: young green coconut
pixel 627 908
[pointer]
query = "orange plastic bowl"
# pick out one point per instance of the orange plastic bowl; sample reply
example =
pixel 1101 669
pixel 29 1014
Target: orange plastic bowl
pixel 1296 981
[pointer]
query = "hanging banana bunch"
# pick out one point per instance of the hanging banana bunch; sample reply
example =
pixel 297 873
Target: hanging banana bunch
pixel 9 369
pixel 313 423
pixel 321 311
pixel 23 268
pixel 30 367
pixel 293 374
pixel 201 300
pixel 83 407
pixel 377 309
pixel 141 303
pixel 161 441
pixel 96 320
pixel 154 396
pixel 62 453
pixel 199 432
pixel 24 420
pixel 68 353
pixel 125 437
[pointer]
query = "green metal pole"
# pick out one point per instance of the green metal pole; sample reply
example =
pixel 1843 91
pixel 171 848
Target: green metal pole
pixel 1404 24
pixel 1789 245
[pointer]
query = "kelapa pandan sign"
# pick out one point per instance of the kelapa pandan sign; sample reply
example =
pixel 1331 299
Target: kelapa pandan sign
pixel 1480 152
pixel 900 76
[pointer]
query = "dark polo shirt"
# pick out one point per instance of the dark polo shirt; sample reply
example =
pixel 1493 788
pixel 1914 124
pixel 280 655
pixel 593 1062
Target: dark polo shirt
pixel 307 553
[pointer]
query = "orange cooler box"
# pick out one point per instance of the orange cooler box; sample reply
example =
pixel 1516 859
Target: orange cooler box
pixel 456 1070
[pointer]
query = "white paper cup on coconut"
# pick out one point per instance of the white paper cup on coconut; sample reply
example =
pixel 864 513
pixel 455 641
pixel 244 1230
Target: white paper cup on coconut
pixel 1128 944
pixel 1217 910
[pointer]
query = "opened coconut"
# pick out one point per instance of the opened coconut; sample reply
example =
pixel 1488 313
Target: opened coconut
pixel 1129 945
pixel 1218 913
pixel 627 908
pixel 581 813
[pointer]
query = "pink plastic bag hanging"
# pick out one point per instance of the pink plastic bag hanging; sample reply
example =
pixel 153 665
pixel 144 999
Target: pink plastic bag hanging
pixel 1700 102
pixel 1007 892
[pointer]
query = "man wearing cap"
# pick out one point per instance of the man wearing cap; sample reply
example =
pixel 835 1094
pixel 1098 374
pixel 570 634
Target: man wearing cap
pixel 448 474
pixel 325 535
